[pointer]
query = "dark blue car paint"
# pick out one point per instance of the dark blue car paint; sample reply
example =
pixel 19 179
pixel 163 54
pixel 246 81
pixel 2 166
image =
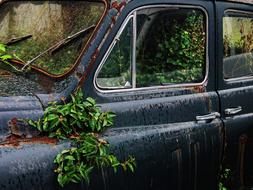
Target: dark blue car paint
pixel 158 127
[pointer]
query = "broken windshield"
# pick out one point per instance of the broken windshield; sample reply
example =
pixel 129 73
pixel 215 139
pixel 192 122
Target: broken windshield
pixel 45 40
pixel 48 35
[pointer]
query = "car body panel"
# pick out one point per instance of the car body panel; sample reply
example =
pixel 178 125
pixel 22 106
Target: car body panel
pixel 158 126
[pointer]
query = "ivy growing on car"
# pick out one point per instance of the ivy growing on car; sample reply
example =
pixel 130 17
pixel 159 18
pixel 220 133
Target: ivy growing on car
pixel 80 121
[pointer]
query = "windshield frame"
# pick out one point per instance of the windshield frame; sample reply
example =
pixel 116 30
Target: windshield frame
pixel 80 55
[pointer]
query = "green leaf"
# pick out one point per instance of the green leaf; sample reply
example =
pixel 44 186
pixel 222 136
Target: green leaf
pixel 73 120
pixel 130 167
pixel 5 57
pixel 69 157
pixel 91 101
pixel 45 126
pixel 2 47
pixel 51 117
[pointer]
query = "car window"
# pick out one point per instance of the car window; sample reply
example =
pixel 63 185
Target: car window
pixel 169 48
pixel 45 38
pixel 237 44
pixel 116 71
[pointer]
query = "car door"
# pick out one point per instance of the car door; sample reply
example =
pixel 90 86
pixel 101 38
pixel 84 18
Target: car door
pixel 235 87
pixel 166 116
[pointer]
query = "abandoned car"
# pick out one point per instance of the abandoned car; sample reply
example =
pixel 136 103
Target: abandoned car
pixel 178 74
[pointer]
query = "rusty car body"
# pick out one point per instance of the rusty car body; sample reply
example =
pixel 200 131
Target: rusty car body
pixel 180 133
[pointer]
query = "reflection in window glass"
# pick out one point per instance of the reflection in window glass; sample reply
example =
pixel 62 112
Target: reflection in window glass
pixel 116 71
pixel 170 46
pixel 238 45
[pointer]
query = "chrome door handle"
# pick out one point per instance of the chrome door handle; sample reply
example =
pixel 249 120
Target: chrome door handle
pixel 233 111
pixel 210 116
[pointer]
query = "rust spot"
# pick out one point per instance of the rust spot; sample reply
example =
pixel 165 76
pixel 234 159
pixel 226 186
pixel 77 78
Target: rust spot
pixel 199 88
pixel 4 73
pixel 14 121
pixel 95 54
pixel 19 127
pixel 113 19
pixel 16 141
pixel 118 6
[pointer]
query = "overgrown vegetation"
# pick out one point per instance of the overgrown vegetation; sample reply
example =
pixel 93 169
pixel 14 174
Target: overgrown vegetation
pixel 44 26
pixel 177 44
pixel 172 51
pixel 80 121
pixel 5 57
pixel 223 178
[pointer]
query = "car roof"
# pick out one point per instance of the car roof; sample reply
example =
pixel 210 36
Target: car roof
pixel 239 1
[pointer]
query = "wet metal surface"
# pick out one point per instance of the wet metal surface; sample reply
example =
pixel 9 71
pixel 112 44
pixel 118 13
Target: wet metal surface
pixel 158 127
pixel 28 167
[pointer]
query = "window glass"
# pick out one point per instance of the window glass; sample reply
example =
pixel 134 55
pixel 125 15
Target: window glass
pixel 44 24
pixel 170 49
pixel 116 71
pixel 237 45
pixel 170 46
pixel 45 38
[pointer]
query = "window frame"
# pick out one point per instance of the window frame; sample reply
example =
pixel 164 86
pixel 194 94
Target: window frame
pixel 133 15
pixel 234 79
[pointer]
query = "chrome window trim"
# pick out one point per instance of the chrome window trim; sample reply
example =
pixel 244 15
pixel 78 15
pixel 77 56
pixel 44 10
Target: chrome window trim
pixel 242 78
pixel 131 15
pixel 133 64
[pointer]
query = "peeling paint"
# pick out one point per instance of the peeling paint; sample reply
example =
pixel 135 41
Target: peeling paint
pixel 16 141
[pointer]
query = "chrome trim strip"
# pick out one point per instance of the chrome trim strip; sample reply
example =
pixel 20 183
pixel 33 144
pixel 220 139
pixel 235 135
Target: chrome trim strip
pixel 110 90
pixel 238 79
pixel 238 11
pixel 134 50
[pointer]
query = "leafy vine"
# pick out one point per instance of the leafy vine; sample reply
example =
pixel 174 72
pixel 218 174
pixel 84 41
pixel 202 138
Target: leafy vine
pixel 81 121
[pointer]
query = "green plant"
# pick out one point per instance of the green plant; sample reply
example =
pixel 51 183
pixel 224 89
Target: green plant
pixel 174 51
pixel 5 57
pixel 80 121
pixel 184 48
pixel 75 17
pixel 223 178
